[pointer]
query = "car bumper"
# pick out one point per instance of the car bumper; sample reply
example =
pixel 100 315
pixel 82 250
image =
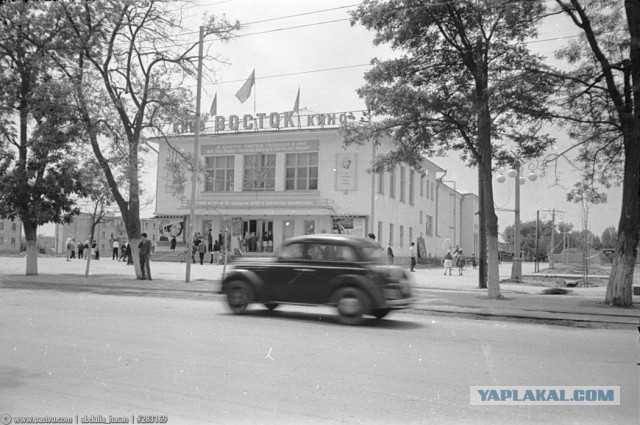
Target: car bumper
pixel 400 303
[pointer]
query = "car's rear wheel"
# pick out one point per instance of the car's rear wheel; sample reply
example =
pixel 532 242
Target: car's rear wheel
pixel 271 306
pixel 239 295
pixel 352 304
pixel 379 313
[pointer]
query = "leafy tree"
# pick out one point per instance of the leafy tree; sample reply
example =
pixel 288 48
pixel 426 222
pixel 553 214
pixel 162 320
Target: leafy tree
pixel 603 97
pixel 609 237
pixel 128 80
pixel 38 125
pixel 460 85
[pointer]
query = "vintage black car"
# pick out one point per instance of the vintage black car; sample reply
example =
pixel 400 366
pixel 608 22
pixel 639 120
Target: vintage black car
pixel 328 269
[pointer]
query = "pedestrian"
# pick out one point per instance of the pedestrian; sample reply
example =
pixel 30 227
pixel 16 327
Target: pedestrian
pixel 129 254
pixel 460 262
pixel 68 249
pixel 80 250
pixel 215 255
pixel 390 255
pixel 145 255
pixel 473 260
pixel 210 240
pixel 173 243
pixel 115 246
pixel 202 249
pixel 412 254
pixel 448 263
pixel 73 248
pixel 194 250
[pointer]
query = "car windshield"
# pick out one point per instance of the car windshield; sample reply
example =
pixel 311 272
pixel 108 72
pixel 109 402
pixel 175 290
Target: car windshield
pixel 374 253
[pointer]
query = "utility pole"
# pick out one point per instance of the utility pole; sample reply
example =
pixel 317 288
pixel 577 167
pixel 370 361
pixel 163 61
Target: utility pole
pixel 194 164
pixel 516 270
pixel 552 263
pixel 537 260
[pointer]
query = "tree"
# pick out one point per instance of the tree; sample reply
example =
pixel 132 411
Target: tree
pixel 128 80
pixel 603 94
pixel 38 174
pixel 609 237
pixel 459 85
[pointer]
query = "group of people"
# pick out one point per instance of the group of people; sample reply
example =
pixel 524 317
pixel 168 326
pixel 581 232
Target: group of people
pixel 72 247
pixel 457 259
pixel 121 251
pixel 253 242
pixel 199 248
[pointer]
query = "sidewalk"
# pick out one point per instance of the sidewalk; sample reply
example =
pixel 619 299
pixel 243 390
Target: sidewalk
pixel 434 292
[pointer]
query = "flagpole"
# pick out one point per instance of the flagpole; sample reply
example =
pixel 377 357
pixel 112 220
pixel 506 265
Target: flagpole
pixel 194 163
pixel 255 95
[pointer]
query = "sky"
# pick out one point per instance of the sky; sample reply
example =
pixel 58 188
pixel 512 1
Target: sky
pixel 312 46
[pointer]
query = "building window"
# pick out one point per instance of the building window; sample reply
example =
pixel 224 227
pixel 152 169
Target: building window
pixel 401 236
pixel 14 226
pixel 219 174
pixel 302 171
pixel 381 183
pixel 380 232
pixel 392 183
pixel 1 240
pixel 391 233
pixel 410 235
pixel 259 172
pixel 1 225
pixel 309 227
pixel 429 226
pixel 402 183
pixel 432 191
pixel 421 217
pixel 13 241
pixel 411 183
pixel 422 179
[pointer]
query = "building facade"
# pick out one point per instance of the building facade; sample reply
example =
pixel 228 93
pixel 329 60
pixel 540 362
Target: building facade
pixel 10 236
pixel 110 228
pixel 263 187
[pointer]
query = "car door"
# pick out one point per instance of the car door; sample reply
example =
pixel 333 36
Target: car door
pixel 291 275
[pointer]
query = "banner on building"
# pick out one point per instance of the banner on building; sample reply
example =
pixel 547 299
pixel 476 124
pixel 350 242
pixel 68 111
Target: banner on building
pixel 346 171
pixel 354 226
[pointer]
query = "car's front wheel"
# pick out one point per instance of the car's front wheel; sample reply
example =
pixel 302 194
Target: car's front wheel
pixel 352 304
pixel 239 295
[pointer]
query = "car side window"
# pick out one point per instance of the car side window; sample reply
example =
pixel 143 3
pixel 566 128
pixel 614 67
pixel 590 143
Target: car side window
pixel 345 253
pixel 293 251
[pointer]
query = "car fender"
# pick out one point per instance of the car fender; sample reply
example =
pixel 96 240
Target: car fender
pixel 256 282
pixel 359 281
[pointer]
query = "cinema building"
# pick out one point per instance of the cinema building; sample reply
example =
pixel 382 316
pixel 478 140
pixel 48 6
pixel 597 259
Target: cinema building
pixel 264 185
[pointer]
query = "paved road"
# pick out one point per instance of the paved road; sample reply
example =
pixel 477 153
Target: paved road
pixel 68 354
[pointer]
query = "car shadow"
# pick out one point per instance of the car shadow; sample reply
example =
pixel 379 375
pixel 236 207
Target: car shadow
pixel 330 319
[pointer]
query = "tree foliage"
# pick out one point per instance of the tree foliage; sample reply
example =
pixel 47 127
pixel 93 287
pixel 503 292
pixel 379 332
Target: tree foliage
pixel 39 129
pixel 460 83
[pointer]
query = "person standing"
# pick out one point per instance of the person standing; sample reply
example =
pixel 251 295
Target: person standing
pixel 202 249
pixel 68 249
pixel 473 260
pixel 80 251
pixel 210 241
pixel 145 255
pixel 412 254
pixel 129 255
pixel 390 255
pixel 448 263
pixel 460 262
pixel 73 248
pixel 115 246
pixel 173 243
pixel 215 256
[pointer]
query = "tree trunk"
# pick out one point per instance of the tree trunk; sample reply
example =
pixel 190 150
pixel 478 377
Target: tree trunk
pixel 30 233
pixel 482 254
pixel 621 277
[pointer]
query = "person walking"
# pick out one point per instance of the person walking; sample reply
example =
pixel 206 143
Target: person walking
pixel 390 255
pixel 68 249
pixel 145 255
pixel 448 263
pixel 73 248
pixel 215 256
pixel 460 262
pixel 129 255
pixel 115 246
pixel 412 254
pixel 202 249
pixel 473 260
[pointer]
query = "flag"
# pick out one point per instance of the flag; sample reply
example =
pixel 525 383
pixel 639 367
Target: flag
pixel 214 106
pixel 296 106
pixel 245 91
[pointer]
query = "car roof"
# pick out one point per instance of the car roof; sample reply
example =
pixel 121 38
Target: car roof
pixel 331 237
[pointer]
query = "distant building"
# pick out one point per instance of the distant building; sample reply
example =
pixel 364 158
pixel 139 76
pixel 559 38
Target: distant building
pixel 280 183
pixel 110 228
pixel 10 236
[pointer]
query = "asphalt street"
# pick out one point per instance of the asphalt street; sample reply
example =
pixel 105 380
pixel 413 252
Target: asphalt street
pixel 84 354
